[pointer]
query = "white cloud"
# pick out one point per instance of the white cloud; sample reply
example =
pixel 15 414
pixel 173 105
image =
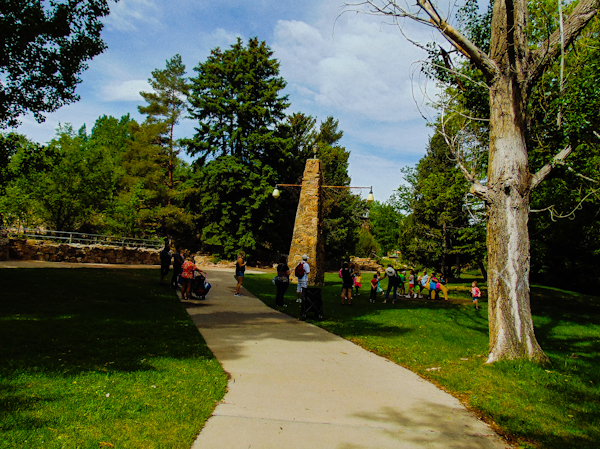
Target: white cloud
pixel 127 14
pixel 363 69
pixel 125 90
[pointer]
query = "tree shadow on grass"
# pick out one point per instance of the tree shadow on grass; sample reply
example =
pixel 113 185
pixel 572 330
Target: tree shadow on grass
pixel 71 321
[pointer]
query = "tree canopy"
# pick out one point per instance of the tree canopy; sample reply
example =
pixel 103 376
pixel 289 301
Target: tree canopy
pixel 45 46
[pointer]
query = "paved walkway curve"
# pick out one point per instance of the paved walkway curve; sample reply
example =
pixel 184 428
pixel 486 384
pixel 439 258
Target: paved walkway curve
pixel 293 385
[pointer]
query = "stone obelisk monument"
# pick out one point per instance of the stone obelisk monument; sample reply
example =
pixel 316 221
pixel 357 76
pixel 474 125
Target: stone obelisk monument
pixel 308 227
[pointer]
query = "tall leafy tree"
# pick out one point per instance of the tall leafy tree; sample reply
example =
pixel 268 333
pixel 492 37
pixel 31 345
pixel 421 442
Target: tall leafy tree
pixel 385 221
pixel 78 182
pixel 517 58
pixel 166 105
pixel 441 232
pixel 342 210
pixel 45 46
pixel 237 100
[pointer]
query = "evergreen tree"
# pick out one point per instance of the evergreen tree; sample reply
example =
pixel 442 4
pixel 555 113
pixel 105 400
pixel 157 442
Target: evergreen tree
pixel 166 105
pixel 236 99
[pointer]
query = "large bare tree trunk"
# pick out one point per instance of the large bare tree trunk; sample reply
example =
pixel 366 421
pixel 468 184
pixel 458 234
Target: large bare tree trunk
pixel 510 321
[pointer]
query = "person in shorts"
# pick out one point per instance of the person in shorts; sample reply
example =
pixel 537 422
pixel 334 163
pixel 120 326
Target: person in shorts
pixel 187 276
pixel 347 283
pixel 411 285
pixel 240 270
pixel 475 294
pixel 302 281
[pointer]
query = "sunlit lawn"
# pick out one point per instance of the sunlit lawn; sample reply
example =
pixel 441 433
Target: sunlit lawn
pixel 100 358
pixel 555 406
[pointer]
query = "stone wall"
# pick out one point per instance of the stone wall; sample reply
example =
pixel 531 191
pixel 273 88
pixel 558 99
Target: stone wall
pixel 365 264
pixel 21 249
pixel 308 227
pixel 4 248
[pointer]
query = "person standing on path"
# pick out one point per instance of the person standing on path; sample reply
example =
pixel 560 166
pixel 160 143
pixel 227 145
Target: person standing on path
pixel 240 269
pixel 347 283
pixel 302 279
pixel 187 277
pixel 165 263
pixel 282 281
pixel 177 263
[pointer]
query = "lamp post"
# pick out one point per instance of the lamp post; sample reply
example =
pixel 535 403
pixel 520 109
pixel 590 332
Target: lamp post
pixel 370 197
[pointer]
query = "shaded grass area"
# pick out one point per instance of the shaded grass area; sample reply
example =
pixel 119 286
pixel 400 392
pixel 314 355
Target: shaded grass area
pixel 554 406
pixel 100 358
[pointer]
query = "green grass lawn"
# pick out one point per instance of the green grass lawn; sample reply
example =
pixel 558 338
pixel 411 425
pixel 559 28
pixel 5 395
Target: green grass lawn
pixel 95 358
pixel 554 406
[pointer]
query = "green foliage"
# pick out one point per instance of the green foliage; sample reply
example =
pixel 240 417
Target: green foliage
pixel 386 222
pixel 45 46
pixel 564 230
pixel 342 210
pixel 366 245
pixel 236 99
pixel 81 180
pixel 435 196
pixel 233 204
pixel 166 105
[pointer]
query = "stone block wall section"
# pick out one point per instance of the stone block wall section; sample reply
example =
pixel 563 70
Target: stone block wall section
pixel 21 249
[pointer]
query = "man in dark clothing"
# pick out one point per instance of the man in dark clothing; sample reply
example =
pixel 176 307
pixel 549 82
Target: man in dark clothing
pixel 165 262
pixel 177 263
pixel 393 282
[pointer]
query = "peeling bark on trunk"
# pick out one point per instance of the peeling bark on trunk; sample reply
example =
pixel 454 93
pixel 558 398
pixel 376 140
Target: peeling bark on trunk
pixel 510 321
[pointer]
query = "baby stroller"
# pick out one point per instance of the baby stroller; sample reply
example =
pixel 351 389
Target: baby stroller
pixel 200 287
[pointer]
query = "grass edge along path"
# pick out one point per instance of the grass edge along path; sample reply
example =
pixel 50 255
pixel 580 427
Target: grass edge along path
pixel 100 358
pixel 533 406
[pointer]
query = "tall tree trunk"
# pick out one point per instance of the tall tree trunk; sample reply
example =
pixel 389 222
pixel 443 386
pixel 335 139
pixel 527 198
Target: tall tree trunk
pixel 510 321
pixel 482 269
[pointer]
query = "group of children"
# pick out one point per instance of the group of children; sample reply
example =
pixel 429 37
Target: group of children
pixel 432 283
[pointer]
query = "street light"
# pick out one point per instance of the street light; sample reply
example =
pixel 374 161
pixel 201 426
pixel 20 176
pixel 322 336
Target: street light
pixel 370 197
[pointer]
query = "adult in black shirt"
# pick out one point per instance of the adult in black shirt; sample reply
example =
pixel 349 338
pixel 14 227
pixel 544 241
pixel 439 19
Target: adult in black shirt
pixel 347 283
pixel 282 281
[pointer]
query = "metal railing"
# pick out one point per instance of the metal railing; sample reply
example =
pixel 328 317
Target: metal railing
pixel 82 238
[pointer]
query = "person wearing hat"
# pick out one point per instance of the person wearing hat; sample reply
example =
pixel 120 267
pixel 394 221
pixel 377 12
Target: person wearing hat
pixel 302 280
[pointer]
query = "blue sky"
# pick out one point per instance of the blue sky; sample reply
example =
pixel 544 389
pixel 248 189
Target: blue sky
pixel 354 67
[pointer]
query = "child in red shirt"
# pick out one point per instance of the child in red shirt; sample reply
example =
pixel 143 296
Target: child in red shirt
pixel 374 285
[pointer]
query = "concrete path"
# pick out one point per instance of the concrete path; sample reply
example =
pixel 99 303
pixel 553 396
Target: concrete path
pixel 294 385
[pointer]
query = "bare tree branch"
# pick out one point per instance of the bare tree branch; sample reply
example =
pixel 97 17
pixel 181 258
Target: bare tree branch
pixel 554 215
pixel 541 58
pixel 461 42
pixel 543 172
pixel 477 188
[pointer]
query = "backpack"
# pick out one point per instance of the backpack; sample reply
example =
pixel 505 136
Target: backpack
pixel 299 271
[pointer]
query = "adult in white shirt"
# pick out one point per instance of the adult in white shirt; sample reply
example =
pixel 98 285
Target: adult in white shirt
pixel 424 282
